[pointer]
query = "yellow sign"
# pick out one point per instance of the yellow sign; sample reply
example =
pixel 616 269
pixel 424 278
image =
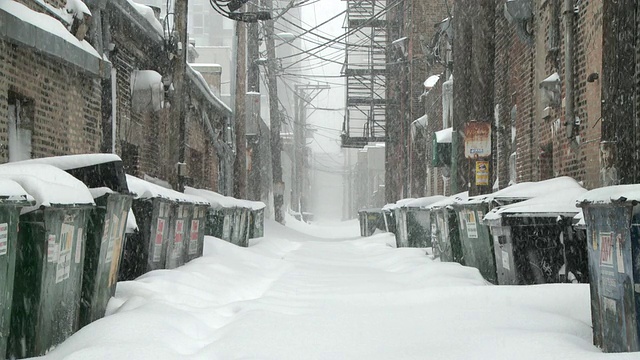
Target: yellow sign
pixel 482 173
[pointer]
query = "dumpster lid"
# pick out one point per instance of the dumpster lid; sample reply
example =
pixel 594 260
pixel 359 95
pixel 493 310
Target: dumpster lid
pixel 219 201
pixel 95 170
pixel 555 203
pixel 146 190
pixel 101 191
pixel 611 194
pixel 459 197
pixel 12 191
pixel 398 204
pixel 47 184
pixel 424 202
pixel 524 191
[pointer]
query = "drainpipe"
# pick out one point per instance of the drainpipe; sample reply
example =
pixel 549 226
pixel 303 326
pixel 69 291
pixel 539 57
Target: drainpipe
pixel 568 67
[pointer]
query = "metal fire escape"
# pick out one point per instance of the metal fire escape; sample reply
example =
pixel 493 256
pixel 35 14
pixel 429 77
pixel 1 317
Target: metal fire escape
pixel 364 69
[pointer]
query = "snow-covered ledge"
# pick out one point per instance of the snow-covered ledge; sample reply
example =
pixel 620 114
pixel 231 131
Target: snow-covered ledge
pixel 21 25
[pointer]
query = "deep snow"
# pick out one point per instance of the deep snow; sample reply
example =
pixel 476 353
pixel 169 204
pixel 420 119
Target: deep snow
pixel 295 296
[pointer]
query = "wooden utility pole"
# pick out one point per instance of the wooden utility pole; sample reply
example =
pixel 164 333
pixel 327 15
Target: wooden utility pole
pixel 274 112
pixel 179 70
pixel 254 138
pixel 240 163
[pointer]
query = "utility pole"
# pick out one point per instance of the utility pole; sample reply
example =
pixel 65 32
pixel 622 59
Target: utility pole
pixel 254 188
pixel 179 69
pixel 274 112
pixel 240 163
pixel 298 186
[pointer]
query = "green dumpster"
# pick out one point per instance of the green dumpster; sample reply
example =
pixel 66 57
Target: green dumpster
pixel 184 244
pixel 612 220
pixel 370 221
pixel 146 250
pixel 475 237
pixel 220 214
pixel 417 220
pixel 195 243
pixel 445 236
pixel 12 198
pixel 534 240
pixel 49 259
pixel 257 220
pixel 105 242
pixel 389 219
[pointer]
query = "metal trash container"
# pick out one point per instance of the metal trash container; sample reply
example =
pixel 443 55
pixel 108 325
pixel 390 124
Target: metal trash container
pixel 613 242
pixel 146 250
pixel 533 238
pixel 195 243
pixel 445 235
pixel 12 199
pixel 418 221
pixel 370 221
pixel 222 215
pixel 257 220
pixel 183 244
pixel 49 259
pixel 103 253
pixel 389 219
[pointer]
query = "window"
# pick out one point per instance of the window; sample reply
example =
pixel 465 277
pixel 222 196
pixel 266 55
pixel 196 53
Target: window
pixel 21 113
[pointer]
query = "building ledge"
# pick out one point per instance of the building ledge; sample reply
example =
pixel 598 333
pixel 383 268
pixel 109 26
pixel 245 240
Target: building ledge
pixel 23 26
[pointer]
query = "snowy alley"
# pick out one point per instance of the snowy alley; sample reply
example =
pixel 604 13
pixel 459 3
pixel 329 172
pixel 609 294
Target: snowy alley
pixel 296 295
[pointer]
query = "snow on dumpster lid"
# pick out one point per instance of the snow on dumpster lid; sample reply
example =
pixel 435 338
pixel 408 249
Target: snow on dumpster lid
pixel 146 190
pixel 13 191
pixel 527 190
pixel 612 194
pixel 425 201
pixel 68 162
pixel 398 204
pixel 47 184
pixel 553 203
pixel 444 136
pixel 219 201
pixel 459 197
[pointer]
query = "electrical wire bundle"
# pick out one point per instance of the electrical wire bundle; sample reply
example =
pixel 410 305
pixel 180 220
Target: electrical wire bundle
pixel 231 11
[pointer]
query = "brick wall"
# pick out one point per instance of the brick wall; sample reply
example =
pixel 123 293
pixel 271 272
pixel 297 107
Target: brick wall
pixel 66 102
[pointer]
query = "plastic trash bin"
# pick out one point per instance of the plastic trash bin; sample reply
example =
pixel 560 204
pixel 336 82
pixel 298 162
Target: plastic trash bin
pixel 12 199
pixel 49 259
pixel 613 241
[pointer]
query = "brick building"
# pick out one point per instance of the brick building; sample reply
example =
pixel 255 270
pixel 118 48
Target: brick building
pixel 81 79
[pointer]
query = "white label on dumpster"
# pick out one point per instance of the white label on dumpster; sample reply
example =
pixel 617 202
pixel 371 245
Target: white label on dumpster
pixel 157 244
pixel 4 230
pixel 619 254
pixel 112 239
pixel 193 241
pixel 505 260
pixel 52 249
pixel 472 229
pixel 63 267
pixel 79 242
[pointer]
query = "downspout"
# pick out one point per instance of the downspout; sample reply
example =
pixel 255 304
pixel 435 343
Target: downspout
pixel 568 67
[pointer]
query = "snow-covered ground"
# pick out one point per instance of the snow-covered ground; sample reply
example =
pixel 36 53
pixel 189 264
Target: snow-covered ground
pixel 335 296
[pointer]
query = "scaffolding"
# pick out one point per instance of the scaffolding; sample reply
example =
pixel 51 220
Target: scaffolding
pixel 365 71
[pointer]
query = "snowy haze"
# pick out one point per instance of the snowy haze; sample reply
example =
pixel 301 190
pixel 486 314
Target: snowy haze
pixel 327 163
pixel 292 295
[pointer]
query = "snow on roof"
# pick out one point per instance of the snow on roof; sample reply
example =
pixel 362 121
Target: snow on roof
pixel 219 201
pixel 68 162
pixel 46 23
pixel 444 136
pixel 13 191
pixel 78 8
pixel 612 194
pixel 431 81
pixel 555 202
pixel 204 86
pixel 527 190
pixel 421 121
pixel 145 79
pixel 146 190
pixel 148 14
pixel 425 201
pixel 47 184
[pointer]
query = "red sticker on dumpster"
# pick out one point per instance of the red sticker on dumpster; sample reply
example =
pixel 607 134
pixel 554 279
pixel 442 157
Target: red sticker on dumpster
pixel 606 249
pixel 159 231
